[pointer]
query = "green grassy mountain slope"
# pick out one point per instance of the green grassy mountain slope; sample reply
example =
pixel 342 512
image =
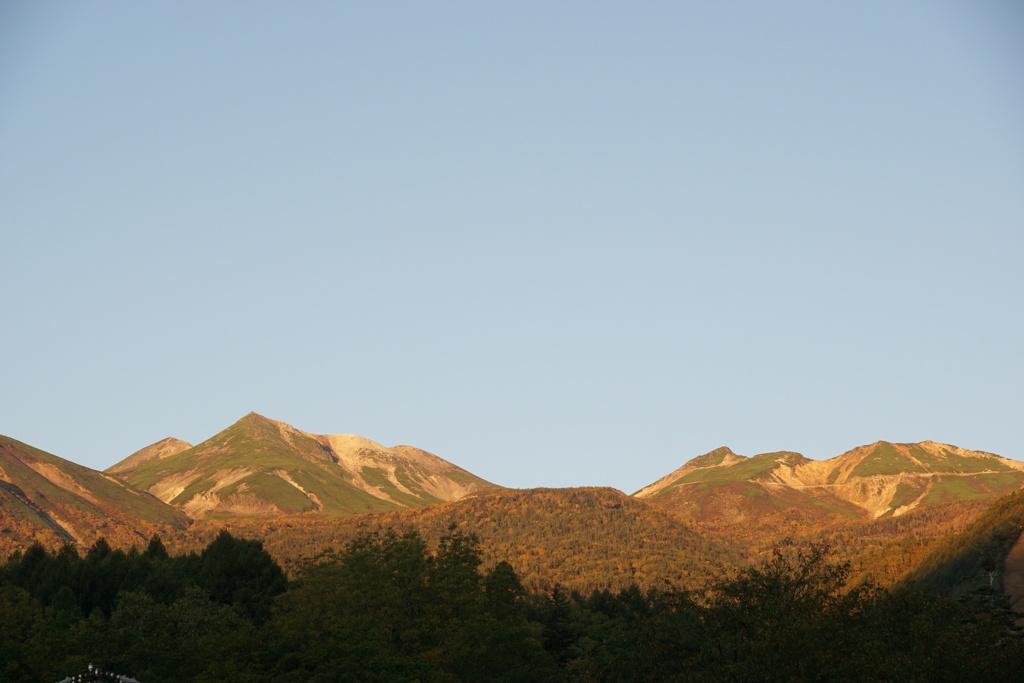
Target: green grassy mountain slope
pixel 263 468
pixel 875 481
pixel 48 499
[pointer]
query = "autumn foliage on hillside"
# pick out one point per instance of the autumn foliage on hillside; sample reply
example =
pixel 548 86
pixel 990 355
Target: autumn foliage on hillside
pixel 581 538
pixel 881 551
pixel 595 538
pixel 974 560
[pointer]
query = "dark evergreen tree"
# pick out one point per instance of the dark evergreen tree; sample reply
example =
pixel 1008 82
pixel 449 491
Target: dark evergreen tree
pixel 240 573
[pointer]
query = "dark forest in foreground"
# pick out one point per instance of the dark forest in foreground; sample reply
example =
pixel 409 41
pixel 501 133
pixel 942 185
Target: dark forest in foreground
pixel 391 607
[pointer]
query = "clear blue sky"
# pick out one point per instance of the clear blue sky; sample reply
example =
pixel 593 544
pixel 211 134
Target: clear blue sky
pixel 555 243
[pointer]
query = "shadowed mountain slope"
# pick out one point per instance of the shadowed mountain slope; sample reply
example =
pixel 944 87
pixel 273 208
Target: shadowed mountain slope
pixel 264 468
pixel 48 499
pixel 986 558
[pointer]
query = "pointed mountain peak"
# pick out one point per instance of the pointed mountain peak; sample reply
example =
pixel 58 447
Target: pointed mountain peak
pixel 170 443
pixel 259 427
pixel 719 457
pixel 253 419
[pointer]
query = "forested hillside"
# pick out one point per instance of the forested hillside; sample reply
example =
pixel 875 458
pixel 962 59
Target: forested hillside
pixel 389 606
pixel 583 538
pixel 975 559
pixel 881 551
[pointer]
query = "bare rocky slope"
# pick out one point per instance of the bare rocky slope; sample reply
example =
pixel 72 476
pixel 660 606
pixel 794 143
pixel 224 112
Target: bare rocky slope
pixel 260 467
pixel 871 482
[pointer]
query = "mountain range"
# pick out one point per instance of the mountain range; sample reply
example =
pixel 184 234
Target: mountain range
pixel 303 493
pixel 879 480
